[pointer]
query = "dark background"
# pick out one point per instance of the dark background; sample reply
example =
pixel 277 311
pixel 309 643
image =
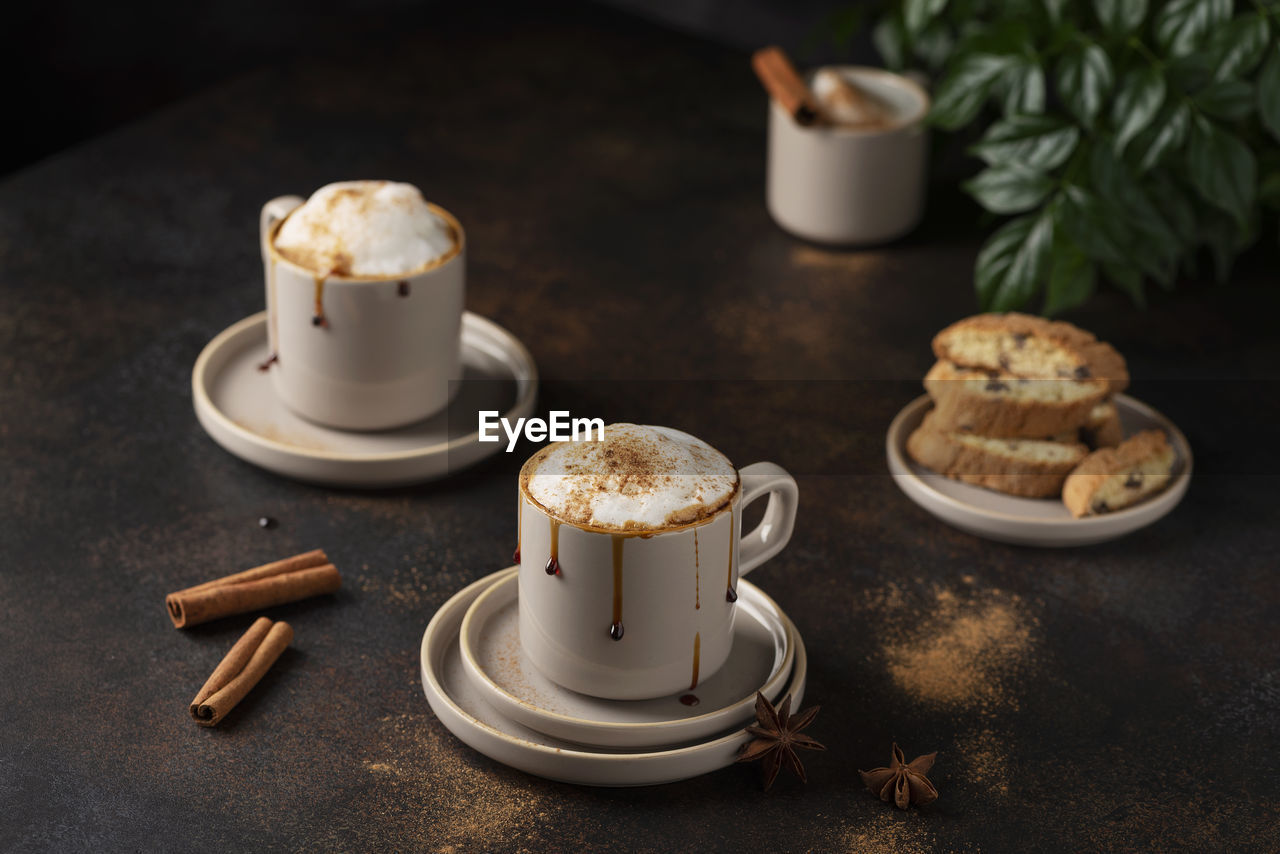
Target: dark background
pixel 79 68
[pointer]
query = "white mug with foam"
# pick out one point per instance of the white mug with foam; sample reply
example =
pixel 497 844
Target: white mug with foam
pixel 358 344
pixel 851 185
pixel 646 611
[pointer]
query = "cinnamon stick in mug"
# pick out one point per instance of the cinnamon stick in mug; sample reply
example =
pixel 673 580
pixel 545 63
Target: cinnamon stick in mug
pixel 288 580
pixel 785 86
pixel 241 669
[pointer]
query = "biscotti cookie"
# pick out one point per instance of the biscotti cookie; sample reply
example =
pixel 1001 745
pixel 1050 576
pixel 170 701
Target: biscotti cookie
pixel 1103 429
pixel 1118 477
pixel 998 404
pixel 1030 347
pixel 1026 467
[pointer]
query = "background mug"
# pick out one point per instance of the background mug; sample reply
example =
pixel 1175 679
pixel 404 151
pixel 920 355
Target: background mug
pixel 846 185
pixel 672 592
pixel 363 352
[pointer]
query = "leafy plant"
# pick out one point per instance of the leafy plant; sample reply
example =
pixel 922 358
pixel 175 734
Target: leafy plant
pixel 1123 137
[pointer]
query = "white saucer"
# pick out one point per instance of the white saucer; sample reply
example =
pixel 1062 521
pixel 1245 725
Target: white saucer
pixel 236 406
pixel 1032 521
pixel 465 713
pixel 760 660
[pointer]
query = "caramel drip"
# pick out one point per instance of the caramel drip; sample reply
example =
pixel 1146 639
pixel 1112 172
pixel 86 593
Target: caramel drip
pixel 697 653
pixel 697 582
pixel 553 562
pixel 515 558
pixel 319 319
pixel 731 595
pixel 615 628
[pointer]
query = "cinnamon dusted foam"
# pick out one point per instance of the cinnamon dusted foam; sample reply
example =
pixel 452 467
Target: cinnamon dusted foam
pixel 639 478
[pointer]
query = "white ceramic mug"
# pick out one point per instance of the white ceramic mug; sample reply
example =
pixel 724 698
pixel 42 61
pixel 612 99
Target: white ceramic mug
pixel 363 352
pixel 844 185
pixel 636 616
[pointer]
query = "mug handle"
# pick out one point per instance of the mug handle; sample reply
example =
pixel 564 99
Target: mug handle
pixel 272 212
pixel 774 530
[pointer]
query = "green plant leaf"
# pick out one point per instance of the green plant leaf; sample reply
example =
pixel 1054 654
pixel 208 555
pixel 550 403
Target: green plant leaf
pixel 1012 263
pixel 1269 92
pixel 1024 89
pixel 935 45
pixel 1054 9
pixel 1120 17
pixel 1226 99
pixel 1236 48
pixel 1084 80
pixel 1153 246
pixel 890 38
pixel 1091 226
pixel 1175 204
pixel 1181 25
pixel 962 92
pixel 918 13
pixel 1140 97
pixel 1224 238
pixel 1009 189
pixel 1166 134
pixel 1222 169
pixel 1034 142
pixel 1072 278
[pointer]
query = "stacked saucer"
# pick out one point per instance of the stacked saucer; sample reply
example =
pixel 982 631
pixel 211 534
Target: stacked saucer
pixel 482 687
pixel 239 409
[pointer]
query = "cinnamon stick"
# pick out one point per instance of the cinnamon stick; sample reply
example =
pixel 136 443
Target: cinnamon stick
pixel 785 86
pixel 241 669
pixel 288 580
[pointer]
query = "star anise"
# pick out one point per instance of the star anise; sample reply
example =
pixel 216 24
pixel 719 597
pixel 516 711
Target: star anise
pixel 777 735
pixel 903 782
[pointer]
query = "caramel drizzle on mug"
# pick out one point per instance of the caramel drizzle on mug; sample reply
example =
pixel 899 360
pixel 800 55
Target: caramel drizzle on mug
pixel 731 595
pixel 615 628
pixel 697 652
pixel 697 582
pixel 515 558
pixel 553 562
pixel 319 319
pixel 273 336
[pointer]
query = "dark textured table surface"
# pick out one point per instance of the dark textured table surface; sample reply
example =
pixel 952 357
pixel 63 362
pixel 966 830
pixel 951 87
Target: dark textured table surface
pixel 610 176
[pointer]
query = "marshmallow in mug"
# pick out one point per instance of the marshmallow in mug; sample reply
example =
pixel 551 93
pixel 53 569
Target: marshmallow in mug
pixel 845 104
pixel 364 228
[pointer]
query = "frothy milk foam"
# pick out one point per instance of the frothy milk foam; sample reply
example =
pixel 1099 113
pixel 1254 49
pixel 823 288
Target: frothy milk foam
pixel 638 478
pixel 364 228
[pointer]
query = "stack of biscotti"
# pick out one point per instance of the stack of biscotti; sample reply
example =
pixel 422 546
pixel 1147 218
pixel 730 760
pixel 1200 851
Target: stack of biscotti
pixel 1019 401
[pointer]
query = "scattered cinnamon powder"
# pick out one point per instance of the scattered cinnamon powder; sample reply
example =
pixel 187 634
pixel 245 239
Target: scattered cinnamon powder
pixel 961 652
pixel 985 759
pixel 424 774
pixel 890 832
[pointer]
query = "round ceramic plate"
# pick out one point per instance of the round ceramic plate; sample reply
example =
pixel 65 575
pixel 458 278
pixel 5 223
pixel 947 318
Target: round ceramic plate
pixel 1032 521
pixel 237 407
pixel 465 713
pixel 760 660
